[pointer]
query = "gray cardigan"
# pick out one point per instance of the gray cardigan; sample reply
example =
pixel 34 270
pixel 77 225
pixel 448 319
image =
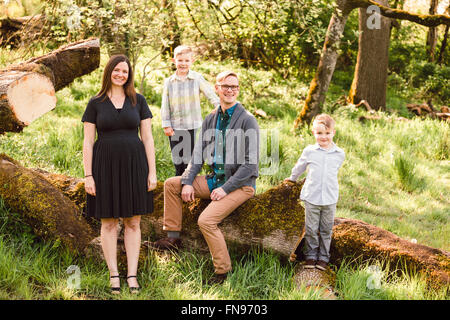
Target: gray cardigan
pixel 241 155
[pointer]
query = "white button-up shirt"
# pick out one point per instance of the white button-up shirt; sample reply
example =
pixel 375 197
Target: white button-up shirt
pixel 321 186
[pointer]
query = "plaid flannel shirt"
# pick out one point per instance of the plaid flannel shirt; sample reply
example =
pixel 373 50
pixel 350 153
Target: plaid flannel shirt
pixel 180 107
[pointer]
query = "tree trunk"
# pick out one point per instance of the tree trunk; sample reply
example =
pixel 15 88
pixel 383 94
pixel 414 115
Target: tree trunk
pixel 71 61
pixel 51 215
pixel 27 90
pixel 320 83
pixel 370 79
pixel 173 27
pixel 275 220
pixel 432 34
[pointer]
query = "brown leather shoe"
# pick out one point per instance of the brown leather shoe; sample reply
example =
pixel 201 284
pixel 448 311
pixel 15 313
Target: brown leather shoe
pixel 310 264
pixel 218 278
pixel 321 265
pixel 167 244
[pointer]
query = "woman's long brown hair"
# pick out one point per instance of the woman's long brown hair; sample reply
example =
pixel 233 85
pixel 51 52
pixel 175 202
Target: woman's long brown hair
pixel 128 87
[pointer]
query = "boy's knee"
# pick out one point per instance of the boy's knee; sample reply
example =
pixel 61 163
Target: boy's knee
pixel 312 234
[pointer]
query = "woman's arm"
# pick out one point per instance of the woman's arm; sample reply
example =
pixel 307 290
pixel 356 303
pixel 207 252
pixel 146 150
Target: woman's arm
pixel 147 139
pixel 88 149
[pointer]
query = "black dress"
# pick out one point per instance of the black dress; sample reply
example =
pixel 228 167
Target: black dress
pixel 119 162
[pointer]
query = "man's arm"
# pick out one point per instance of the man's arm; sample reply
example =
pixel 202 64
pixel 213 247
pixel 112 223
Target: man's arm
pixel 207 89
pixel 165 107
pixel 299 167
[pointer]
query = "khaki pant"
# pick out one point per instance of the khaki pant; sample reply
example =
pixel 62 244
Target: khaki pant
pixel 208 220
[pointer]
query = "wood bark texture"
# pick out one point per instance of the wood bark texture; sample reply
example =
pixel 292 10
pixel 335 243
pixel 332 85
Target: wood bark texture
pixel 319 85
pixel 370 79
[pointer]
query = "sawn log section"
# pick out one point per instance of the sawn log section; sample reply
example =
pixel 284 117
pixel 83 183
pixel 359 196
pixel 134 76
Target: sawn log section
pixel 27 90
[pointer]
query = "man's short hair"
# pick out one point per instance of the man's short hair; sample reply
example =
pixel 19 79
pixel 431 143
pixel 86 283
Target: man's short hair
pixel 182 50
pixel 225 74
pixel 325 120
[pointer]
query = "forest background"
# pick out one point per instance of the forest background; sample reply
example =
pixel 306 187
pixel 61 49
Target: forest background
pixel 397 170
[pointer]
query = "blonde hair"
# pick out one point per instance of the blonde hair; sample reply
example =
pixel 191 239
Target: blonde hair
pixel 181 50
pixel 225 74
pixel 325 120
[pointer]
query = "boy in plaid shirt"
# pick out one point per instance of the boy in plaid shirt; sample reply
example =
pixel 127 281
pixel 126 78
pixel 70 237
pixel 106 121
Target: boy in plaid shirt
pixel 181 113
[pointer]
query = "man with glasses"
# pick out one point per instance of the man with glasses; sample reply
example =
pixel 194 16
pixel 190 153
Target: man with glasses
pixel 229 144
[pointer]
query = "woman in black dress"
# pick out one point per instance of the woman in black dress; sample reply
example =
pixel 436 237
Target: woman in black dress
pixel 120 171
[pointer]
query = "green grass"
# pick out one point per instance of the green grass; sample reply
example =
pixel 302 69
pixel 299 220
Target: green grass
pixel 373 281
pixel 396 176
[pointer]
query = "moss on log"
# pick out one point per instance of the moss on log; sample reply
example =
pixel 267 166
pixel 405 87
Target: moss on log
pixel 51 215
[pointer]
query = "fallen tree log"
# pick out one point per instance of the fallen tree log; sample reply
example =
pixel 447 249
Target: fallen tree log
pixel 27 90
pixel 275 220
pixel 51 215
pixel 427 110
pixel 15 31
pixel 275 223
pixel 354 238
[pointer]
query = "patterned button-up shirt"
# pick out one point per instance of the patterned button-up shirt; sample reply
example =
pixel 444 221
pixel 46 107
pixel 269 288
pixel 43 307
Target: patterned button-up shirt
pixel 180 107
pixel 321 186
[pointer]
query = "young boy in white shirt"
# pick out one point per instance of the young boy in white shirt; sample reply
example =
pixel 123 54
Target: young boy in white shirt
pixel 320 191
pixel 181 113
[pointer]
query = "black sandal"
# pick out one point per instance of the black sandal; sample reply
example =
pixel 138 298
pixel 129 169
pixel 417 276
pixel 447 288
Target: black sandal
pixel 115 290
pixel 134 290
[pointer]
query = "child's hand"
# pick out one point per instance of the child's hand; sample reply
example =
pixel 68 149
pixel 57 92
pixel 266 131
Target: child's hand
pixel 168 131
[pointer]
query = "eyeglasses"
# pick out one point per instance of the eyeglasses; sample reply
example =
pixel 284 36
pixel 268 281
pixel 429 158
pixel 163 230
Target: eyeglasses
pixel 226 87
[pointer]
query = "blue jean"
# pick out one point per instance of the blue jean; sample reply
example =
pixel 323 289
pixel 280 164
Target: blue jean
pixel 319 222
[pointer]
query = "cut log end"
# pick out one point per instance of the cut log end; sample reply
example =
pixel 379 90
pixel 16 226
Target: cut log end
pixel 31 96
pixel 27 90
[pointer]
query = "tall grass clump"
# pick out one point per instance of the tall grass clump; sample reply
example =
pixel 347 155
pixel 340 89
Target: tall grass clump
pixel 407 175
